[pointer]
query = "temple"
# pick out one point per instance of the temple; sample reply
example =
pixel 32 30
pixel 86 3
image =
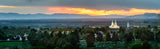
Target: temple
pixel 114 25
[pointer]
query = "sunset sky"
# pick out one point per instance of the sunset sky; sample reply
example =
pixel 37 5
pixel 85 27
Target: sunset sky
pixel 84 7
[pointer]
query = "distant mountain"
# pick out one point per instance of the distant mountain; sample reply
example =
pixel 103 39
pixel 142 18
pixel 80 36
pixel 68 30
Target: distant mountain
pixel 16 16
pixel 9 16
pixel 144 16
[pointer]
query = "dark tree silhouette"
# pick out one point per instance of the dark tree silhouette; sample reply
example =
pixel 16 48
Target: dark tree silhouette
pixel 108 37
pixel 2 35
pixel 146 45
pixel 99 37
pixel 158 36
pixel 129 37
pixel 115 37
pixel 90 38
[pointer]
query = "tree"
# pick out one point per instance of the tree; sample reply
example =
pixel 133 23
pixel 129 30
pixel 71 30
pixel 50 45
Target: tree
pixel 149 26
pixel 91 39
pixel 54 40
pixel 45 34
pixel 115 37
pixel 32 37
pixel 5 27
pixel 52 34
pixel 108 37
pixel 144 34
pixel 129 37
pixel 146 45
pixel 99 37
pixel 2 35
pixel 147 35
pixel 29 27
pixel 59 34
pixel 74 39
pixel 158 36
pixel 137 46
pixel 121 35
pixel 68 46
pixel 122 29
pixel 60 42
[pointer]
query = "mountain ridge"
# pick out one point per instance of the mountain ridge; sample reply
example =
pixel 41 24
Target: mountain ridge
pixel 8 16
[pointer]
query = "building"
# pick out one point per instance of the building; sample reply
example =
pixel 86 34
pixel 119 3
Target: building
pixel 114 28
pixel 114 25
pixel 128 25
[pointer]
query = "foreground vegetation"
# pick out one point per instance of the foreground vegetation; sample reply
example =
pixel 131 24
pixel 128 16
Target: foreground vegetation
pixel 15 45
pixel 83 38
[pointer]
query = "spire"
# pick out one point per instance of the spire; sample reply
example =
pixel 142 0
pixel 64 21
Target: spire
pixel 115 22
pixel 128 25
pixel 112 23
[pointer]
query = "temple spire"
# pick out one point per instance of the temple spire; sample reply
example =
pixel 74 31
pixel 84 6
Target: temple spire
pixel 115 22
pixel 112 23
pixel 128 25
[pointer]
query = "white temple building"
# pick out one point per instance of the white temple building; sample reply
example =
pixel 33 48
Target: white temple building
pixel 128 25
pixel 114 25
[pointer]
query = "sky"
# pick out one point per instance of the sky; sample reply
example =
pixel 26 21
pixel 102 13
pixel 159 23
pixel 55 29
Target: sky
pixel 84 7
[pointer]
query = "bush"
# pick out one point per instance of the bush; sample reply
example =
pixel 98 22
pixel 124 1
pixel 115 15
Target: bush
pixel 68 46
pixel 39 47
pixel 137 46
pixel 146 45
pixel 57 48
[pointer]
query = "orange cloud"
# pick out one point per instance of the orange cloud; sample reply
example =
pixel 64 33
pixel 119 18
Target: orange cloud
pixel 6 6
pixel 94 12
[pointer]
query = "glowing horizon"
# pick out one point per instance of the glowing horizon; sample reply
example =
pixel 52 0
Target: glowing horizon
pixel 3 6
pixel 94 12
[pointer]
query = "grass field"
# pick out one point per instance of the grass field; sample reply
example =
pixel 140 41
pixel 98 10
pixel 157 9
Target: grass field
pixel 15 45
pixel 117 45
pixel 98 45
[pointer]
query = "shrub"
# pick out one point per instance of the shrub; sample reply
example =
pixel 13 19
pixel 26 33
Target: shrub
pixel 137 46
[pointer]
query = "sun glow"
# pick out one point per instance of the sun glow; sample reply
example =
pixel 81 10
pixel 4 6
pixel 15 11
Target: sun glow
pixel 94 12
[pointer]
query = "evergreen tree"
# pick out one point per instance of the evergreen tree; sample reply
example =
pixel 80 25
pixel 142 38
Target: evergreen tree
pixel 146 45
pixel 158 36
pixel 129 37
pixel 99 37
pixel 115 37
pixel 108 37
pixel 32 37
pixel 91 39
pixel 2 35
pixel 74 39
pixel 52 34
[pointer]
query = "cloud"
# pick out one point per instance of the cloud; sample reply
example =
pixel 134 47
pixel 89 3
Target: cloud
pixel 94 12
pixel 73 10
pixel 23 9
pixel 92 4
pixel 89 7
pixel 2 6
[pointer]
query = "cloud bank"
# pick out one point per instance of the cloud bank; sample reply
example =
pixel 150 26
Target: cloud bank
pixel 92 4
pixel 94 12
